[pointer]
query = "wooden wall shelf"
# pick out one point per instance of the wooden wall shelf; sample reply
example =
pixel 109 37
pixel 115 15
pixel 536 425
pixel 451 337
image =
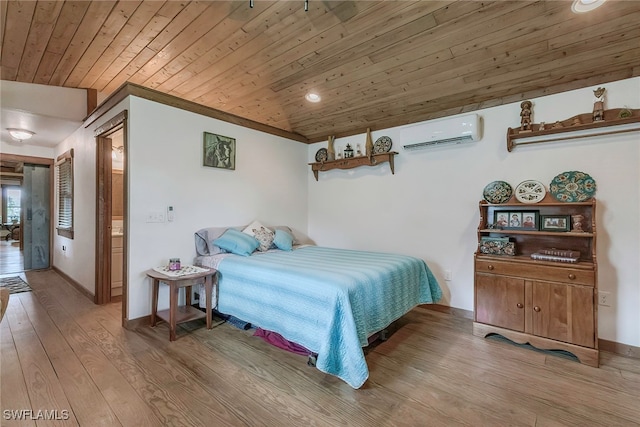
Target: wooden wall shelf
pixel 354 162
pixel 580 126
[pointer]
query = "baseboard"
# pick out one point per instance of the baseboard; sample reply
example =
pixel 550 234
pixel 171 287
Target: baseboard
pixel 457 312
pixel 75 284
pixel 604 345
pixel 618 348
pixel 136 323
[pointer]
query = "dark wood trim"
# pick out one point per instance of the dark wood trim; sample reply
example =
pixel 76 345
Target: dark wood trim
pixel 604 345
pixel 618 348
pixel 84 291
pixel 137 323
pixel 132 89
pixel 92 100
pixel 104 217
pixel 27 159
pixel 103 220
pixel 457 312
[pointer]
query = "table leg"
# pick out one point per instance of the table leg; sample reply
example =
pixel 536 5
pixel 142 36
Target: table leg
pixel 187 295
pixel 173 309
pixel 208 289
pixel 154 301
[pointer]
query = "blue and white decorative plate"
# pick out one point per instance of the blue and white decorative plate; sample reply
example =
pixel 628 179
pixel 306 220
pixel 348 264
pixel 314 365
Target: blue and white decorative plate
pixel 497 192
pixel 573 186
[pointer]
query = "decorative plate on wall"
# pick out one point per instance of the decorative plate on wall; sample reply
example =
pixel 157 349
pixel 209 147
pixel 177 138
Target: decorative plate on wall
pixel 382 145
pixel 322 155
pixel 497 192
pixel 573 186
pixel 530 191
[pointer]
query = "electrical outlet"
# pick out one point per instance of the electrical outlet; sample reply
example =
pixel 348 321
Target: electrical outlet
pixel 448 275
pixel 604 298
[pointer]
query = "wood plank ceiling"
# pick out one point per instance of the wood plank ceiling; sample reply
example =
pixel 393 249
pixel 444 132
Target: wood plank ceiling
pixel 375 63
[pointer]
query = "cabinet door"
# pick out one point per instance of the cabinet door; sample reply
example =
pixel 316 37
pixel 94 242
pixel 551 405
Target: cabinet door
pixel 500 301
pixel 563 312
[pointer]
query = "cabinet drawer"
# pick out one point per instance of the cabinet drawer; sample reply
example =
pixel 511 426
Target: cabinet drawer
pixel 561 273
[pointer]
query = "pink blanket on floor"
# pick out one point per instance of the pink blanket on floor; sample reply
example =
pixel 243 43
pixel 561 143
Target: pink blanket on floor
pixel 279 341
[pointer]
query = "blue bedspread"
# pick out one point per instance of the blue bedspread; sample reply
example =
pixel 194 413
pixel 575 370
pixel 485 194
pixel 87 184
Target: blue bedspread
pixel 327 300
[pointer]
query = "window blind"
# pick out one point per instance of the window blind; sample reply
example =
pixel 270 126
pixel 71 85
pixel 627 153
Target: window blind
pixel 64 168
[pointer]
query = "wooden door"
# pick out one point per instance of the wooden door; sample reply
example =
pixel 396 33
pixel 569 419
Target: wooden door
pixel 563 312
pixel 500 301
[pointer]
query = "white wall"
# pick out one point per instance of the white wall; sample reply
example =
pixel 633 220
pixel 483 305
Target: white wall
pixel 165 165
pixel 78 260
pixel 429 208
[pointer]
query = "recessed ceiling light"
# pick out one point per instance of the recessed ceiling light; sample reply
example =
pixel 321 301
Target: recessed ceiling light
pixel 312 97
pixel 582 6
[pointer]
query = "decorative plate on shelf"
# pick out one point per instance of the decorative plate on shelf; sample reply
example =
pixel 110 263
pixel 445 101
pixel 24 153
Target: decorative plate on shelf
pixel 530 191
pixel 322 155
pixel 573 186
pixel 382 145
pixel 497 192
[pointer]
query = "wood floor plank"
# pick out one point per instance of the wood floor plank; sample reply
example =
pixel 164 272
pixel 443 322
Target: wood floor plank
pixel 115 386
pixel 42 383
pixel 431 371
pixel 88 404
pixel 13 390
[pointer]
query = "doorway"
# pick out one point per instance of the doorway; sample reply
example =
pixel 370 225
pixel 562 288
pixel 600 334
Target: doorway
pixel 111 213
pixel 27 206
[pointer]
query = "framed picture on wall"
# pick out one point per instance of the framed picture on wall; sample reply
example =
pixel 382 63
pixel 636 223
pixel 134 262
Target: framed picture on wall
pixel 219 151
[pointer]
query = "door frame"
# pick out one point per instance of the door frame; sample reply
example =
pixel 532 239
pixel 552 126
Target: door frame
pixel 32 160
pixel 102 293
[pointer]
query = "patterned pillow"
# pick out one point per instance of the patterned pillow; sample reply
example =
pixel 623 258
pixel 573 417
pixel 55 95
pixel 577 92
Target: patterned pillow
pixel 265 237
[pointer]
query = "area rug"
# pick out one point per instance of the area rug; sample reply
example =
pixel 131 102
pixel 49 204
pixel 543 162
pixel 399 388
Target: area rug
pixel 15 284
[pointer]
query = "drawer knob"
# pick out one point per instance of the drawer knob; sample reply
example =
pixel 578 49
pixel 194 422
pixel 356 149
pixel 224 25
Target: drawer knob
pixel 572 276
pixel 490 267
pixel 536 309
pixel 519 305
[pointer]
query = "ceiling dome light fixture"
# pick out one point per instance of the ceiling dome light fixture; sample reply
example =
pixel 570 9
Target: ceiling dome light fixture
pixel 582 6
pixel 20 134
pixel 312 97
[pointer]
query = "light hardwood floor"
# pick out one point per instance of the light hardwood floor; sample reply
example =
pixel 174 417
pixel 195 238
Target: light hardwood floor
pixel 61 352
pixel 11 259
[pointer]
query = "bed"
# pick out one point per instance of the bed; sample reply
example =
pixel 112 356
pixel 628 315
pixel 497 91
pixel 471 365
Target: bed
pixel 327 300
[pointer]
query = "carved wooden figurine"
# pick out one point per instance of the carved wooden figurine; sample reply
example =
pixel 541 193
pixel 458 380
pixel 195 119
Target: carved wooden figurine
pixel 525 116
pixel 598 105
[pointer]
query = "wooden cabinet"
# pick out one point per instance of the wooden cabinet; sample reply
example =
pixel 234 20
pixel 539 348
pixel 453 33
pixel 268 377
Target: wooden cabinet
pixel 550 305
pixel 117 262
pixel 354 162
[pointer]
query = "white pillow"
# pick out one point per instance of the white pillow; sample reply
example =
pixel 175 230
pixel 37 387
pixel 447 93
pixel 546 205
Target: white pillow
pixel 265 237
pixel 255 225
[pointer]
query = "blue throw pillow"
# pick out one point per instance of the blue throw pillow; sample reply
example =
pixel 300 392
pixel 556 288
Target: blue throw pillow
pixel 283 240
pixel 237 242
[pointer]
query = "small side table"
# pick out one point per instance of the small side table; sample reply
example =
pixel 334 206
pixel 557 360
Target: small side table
pixel 179 314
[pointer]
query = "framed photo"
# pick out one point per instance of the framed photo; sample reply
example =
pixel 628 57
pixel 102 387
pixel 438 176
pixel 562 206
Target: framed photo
pixel 219 151
pixel 516 220
pixel 555 223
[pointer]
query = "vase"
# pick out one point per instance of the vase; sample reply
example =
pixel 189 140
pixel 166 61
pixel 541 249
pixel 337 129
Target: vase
pixel 369 144
pixel 331 150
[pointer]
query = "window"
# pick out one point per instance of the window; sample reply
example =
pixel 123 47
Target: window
pixel 12 198
pixel 64 171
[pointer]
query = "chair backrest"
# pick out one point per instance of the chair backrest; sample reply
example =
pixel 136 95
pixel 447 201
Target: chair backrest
pixel 4 301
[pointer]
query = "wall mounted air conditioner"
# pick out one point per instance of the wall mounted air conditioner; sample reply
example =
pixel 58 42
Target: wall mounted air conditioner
pixel 454 130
